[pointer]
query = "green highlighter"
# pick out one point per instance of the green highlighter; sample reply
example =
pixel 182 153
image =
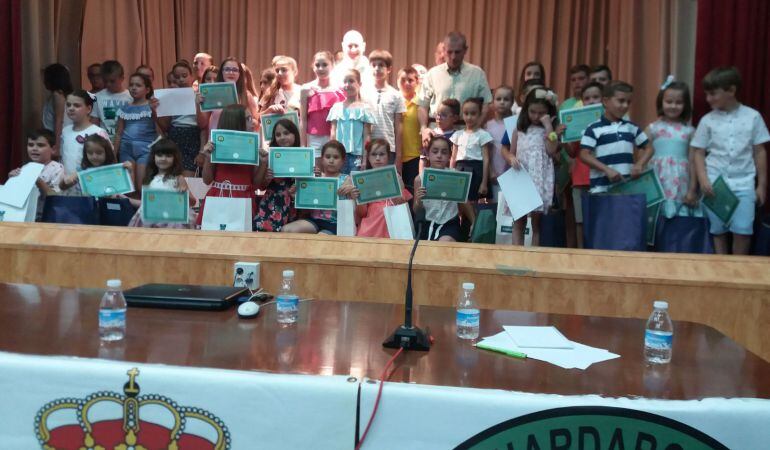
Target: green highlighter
pixel 512 353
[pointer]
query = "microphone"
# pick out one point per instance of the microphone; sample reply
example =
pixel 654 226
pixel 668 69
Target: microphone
pixel 408 336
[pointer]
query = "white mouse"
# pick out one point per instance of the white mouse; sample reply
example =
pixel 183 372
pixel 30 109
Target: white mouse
pixel 248 310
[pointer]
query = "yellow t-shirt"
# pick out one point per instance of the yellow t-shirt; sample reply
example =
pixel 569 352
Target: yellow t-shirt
pixel 411 141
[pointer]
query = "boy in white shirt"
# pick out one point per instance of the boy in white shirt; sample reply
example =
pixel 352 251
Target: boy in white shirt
pixel 111 98
pixel 387 104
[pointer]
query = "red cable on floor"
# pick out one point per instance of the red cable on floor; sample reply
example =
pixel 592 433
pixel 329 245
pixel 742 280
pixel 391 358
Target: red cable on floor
pixel 383 377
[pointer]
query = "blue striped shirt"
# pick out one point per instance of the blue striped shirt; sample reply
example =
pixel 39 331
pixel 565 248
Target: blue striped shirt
pixel 613 144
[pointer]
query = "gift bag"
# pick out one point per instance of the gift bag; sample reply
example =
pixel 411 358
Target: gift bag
pixel 197 188
pixel 553 232
pixel 615 222
pixel 504 225
pixel 761 235
pixel 399 221
pixel 116 212
pixel 346 221
pixel 74 210
pixel 484 228
pixel 226 214
pixel 683 234
pixel 25 213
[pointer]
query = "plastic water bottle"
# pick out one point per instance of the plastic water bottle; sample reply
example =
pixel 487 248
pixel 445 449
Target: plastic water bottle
pixel 112 313
pixel 467 313
pixel 287 302
pixel 658 335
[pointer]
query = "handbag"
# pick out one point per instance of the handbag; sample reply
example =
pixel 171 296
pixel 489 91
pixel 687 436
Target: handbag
pixel 683 234
pixel 615 221
pixel 74 210
pixel 116 212
pixel 227 214
pixel 398 218
pixel 346 221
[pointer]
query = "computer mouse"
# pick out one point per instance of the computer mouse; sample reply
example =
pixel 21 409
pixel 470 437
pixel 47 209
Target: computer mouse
pixel 248 310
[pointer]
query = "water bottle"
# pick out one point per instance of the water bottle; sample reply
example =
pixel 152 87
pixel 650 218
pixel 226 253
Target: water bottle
pixel 112 313
pixel 287 302
pixel 658 335
pixel 467 313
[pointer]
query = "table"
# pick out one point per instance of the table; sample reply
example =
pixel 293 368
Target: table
pixel 344 339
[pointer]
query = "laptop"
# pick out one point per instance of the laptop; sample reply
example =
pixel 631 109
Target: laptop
pixel 184 296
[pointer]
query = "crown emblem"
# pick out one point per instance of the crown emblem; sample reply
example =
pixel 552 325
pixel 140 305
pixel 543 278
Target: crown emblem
pixel 98 428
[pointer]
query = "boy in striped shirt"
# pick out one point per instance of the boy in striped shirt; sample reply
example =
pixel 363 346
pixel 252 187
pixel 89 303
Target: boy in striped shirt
pixel 614 147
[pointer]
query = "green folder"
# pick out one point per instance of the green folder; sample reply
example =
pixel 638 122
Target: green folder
pixel 577 120
pixel 647 184
pixel 217 95
pixel 376 184
pixel 160 205
pixel 316 193
pixel 269 120
pixel 106 180
pixel 235 147
pixel 724 202
pixel 292 162
pixel 448 185
pixel 653 211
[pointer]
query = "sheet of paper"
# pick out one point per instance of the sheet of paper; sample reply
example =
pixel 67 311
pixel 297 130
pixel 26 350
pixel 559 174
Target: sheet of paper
pixel 520 192
pixel 175 102
pixel 510 126
pixel 537 337
pixel 16 190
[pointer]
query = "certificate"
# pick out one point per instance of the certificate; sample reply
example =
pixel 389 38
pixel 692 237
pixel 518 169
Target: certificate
pixel 316 193
pixel 106 180
pixel 653 211
pixel 161 205
pixel 235 147
pixel 724 202
pixel 269 121
pixel 376 184
pixel 577 120
pixel 647 184
pixel 292 162
pixel 448 185
pixel 217 95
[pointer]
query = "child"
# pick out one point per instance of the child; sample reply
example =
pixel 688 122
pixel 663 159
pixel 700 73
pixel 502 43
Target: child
pixel 185 130
pixel 316 100
pixel 371 216
pixel 353 48
pixel 443 216
pixel 670 136
pixel 447 115
pixel 532 70
pixel 471 149
pixel 56 78
pixel 94 74
pixel 284 93
pixel 111 98
pixel 351 122
pixel 79 105
pixel 137 126
pixel 265 81
pixel 164 171
pixel 411 141
pixel 147 71
pixel 613 147
pixel 386 103
pixel 231 71
pixel 210 75
pixel 201 63
pixel 323 221
pixel 533 149
pixel 275 209
pixel 578 78
pixel 230 180
pixel 97 151
pixel 601 74
pixel 502 101
pixel 40 149
pixel 729 141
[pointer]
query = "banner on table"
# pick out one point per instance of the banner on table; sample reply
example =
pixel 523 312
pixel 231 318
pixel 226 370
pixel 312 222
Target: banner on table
pixel 460 418
pixel 63 402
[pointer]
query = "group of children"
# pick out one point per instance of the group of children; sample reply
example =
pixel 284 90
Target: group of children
pixel 355 120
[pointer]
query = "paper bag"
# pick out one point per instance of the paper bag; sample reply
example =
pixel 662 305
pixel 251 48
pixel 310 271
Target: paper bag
pixel 503 233
pixel 346 221
pixel 197 188
pixel 25 213
pixel 399 221
pixel 227 214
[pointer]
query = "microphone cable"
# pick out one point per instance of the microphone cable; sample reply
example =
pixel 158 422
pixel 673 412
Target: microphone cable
pixel 383 377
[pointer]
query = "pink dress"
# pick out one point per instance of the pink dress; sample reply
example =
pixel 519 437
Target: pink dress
pixel 373 222
pixel 531 153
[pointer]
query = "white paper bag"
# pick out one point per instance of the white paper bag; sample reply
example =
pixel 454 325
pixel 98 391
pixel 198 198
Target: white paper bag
pixel 505 224
pixel 25 213
pixel 399 221
pixel 227 214
pixel 198 189
pixel 346 221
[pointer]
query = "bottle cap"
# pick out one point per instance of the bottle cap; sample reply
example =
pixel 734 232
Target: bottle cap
pixel 660 304
pixel 114 284
pixel 469 286
pixel 288 274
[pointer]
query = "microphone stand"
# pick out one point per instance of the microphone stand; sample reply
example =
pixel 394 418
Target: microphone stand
pixel 408 336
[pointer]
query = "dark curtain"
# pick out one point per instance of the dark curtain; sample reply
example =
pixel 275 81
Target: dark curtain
pixel 10 80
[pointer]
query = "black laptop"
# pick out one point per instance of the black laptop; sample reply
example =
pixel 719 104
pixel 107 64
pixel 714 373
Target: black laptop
pixel 183 296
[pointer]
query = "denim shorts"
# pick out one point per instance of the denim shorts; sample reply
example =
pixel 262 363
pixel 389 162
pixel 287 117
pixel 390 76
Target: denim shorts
pixel 743 218
pixel 135 151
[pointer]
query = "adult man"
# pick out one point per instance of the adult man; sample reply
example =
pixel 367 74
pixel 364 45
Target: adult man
pixel 453 79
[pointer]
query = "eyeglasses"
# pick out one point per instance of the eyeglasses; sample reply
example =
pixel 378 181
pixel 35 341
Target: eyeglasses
pixel 230 69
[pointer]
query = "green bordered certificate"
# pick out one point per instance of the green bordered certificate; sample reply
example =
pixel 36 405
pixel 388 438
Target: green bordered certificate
pixel 724 202
pixel 448 185
pixel 165 206
pixel 376 184
pixel 316 193
pixel 577 120
pixel 235 147
pixel 292 162
pixel 269 121
pixel 647 184
pixel 653 211
pixel 106 180
pixel 217 95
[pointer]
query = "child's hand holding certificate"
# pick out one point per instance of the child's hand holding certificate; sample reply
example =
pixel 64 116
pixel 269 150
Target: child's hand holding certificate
pixel 376 184
pixel 724 202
